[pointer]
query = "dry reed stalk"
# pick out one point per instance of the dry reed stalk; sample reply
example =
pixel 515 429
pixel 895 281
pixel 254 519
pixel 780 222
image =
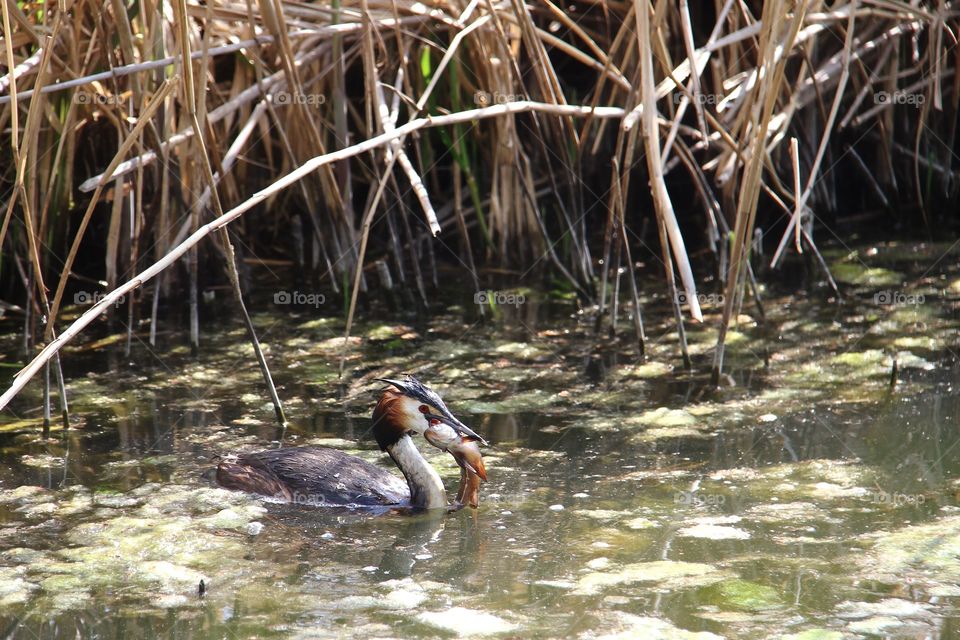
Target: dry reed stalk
pixel 801 200
pixel 204 162
pixel 651 131
pixel 764 103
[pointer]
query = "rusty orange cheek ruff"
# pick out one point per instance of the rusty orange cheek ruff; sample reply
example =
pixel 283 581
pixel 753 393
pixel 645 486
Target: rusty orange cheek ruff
pixel 387 418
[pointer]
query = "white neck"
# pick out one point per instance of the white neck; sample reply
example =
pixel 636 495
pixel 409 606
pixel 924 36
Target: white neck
pixel 426 488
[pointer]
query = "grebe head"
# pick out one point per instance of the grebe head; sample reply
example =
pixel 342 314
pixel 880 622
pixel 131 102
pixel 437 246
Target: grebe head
pixel 408 405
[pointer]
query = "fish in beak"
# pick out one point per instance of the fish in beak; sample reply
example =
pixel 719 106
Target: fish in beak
pixel 466 451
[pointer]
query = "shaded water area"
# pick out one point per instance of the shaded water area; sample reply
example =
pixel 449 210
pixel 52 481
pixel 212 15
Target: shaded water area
pixel 626 498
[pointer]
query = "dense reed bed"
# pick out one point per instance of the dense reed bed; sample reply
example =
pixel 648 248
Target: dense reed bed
pixel 364 141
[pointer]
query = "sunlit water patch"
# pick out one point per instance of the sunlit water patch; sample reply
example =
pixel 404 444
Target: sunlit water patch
pixel 813 496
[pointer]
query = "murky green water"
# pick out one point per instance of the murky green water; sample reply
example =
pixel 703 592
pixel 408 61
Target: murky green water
pixel 626 499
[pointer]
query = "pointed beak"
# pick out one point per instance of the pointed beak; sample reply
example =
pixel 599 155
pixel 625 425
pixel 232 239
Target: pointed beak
pixel 458 426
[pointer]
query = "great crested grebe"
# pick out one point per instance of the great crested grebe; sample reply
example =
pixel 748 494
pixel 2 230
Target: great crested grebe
pixel 323 476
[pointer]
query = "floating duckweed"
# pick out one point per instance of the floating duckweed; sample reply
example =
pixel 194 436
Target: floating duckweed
pixel 13 588
pixel 233 517
pixel 447 350
pixel 814 634
pixel 41 461
pixel 601 514
pixel 521 350
pixel 700 410
pixel 114 500
pixel 293 345
pixel 925 343
pixel 714 532
pixel 336 345
pixel 466 622
pixel 155 460
pixel 779 512
pixel 927 553
pixel 527 401
pixel 37 510
pixel 619 625
pixel 877 625
pixel 897 607
pixel 170 577
pixel 404 594
pixel 640 523
pixel 25 493
pixel 859 274
pixel 861 359
pixel 672 575
pixel 663 417
pixel 743 595
pixel 386 332
pixel 653 369
pixel 666 433
pixel 330 324
pixel 28 424
pixel 22 555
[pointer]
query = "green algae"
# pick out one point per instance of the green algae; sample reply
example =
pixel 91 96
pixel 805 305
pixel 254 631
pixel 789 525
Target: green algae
pixel 646 371
pixel 927 553
pixel 466 622
pixel 601 466
pixel 146 547
pixel 14 589
pixel 814 634
pixel 743 595
pixel 667 574
pixel 713 532
pixel 619 625
pixel 857 273
pixel 387 333
pixel 527 401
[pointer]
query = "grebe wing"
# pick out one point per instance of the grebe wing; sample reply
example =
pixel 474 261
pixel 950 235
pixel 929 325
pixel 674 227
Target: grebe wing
pixel 314 475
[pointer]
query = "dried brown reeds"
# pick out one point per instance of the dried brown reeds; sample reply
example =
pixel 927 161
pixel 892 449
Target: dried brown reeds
pixel 528 132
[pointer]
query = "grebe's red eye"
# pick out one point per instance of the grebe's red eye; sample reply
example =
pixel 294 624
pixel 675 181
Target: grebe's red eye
pixel 424 408
pixel 434 421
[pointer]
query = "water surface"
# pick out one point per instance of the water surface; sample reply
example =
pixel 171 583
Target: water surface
pixel 627 498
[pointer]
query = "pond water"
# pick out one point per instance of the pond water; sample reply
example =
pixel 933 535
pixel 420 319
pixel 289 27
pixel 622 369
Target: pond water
pixel 805 498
